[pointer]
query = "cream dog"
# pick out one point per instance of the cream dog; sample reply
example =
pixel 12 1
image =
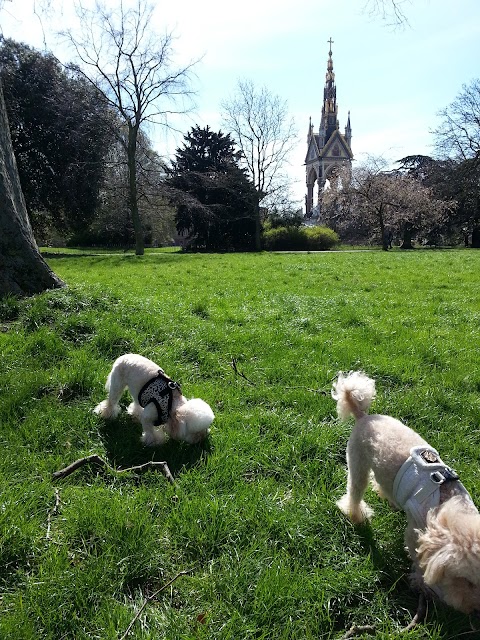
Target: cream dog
pixel 443 530
pixel 158 402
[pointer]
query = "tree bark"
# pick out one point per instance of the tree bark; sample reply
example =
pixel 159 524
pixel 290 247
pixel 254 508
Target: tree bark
pixel 23 271
pixel 476 237
pixel 407 236
pixel 133 190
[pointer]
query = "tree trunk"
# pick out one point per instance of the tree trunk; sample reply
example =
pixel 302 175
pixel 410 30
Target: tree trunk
pixel 23 271
pixel 382 229
pixel 476 237
pixel 407 236
pixel 258 229
pixel 133 191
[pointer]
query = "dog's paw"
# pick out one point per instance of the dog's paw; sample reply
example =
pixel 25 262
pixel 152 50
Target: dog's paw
pixel 153 438
pixel 135 410
pixel 107 410
pixel 357 513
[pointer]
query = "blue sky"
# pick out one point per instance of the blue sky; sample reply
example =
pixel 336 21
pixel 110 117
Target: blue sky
pixel 393 82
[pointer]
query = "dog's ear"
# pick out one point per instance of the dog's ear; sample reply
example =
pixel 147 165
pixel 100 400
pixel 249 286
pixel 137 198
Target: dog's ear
pixel 433 561
pixel 434 548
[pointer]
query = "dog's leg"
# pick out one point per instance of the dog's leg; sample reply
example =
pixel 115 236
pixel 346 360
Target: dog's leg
pixel 135 410
pixel 115 386
pixel 152 436
pixel 351 504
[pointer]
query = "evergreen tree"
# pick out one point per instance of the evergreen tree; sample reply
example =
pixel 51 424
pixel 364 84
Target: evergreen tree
pixel 216 202
pixel 61 130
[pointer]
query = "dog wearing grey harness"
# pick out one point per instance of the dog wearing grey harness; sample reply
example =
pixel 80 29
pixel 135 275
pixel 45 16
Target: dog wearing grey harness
pixel 443 524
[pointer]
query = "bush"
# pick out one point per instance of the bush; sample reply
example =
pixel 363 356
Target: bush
pixel 299 239
pixel 321 238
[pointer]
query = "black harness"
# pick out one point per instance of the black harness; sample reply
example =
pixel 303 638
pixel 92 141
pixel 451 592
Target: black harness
pixel 159 390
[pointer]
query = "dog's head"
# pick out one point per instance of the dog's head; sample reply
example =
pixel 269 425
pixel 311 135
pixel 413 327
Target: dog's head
pixel 192 420
pixel 449 555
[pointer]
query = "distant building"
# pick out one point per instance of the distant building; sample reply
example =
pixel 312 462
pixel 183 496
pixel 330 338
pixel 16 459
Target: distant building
pixel 328 148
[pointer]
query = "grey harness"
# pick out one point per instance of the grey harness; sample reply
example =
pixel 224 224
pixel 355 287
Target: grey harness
pixel 159 390
pixel 416 488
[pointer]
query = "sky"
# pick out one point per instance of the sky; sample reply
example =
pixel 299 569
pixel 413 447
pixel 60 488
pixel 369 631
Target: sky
pixel 394 81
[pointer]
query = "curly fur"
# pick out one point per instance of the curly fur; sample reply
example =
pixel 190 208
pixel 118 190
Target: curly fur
pixel 189 420
pixel 446 552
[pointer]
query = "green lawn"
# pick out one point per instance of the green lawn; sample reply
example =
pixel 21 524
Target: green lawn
pixel 252 516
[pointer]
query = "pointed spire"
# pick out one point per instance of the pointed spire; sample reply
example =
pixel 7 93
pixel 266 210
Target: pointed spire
pixel 310 130
pixel 348 131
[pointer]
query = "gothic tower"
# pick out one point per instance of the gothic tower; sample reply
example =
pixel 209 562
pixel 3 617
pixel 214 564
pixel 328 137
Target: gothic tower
pixel 328 148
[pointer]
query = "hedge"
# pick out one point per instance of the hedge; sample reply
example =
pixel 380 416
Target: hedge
pixel 300 239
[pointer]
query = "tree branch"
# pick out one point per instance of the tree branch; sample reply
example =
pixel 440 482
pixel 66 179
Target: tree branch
pixel 152 597
pixel 98 461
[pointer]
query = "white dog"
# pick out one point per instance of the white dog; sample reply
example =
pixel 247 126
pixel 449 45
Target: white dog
pixel 158 402
pixel 443 531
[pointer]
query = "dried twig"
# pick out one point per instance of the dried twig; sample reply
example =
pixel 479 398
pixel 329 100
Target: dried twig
pixel 150 598
pixel 420 615
pixel 52 512
pixel 97 460
pixel 239 373
pixel 356 630
pixel 322 392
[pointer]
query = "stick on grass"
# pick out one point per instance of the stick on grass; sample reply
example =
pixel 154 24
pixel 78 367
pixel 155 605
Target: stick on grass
pixel 98 461
pixel 152 597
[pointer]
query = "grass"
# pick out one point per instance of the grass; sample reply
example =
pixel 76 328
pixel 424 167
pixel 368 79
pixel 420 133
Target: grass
pixel 252 515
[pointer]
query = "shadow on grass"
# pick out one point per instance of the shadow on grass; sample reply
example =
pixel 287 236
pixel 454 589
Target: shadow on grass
pixel 394 566
pixel 124 448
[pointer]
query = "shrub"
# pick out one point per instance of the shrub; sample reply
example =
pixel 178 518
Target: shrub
pixel 321 238
pixel 299 239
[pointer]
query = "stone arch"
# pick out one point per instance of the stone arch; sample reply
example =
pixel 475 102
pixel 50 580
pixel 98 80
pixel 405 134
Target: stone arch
pixel 313 176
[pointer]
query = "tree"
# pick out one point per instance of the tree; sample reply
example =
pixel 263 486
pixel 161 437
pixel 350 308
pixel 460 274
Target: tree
pixel 133 69
pixel 458 138
pixel 112 225
pixel 375 202
pixel 390 11
pixel 61 130
pixel 450 180
pixel 216 202
pixel 458 135
pixel 22 269
pixel 259 123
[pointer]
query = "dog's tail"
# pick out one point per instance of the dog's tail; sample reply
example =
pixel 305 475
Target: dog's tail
pixel 354 394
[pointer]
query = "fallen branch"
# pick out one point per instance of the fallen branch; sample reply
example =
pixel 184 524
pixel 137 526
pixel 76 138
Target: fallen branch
pixel 150 598
pixel 420 615
pixel 239 373
pixel 98 461
pixel 233 364
pixel 356 630
pixel 319 391
pixel 52 512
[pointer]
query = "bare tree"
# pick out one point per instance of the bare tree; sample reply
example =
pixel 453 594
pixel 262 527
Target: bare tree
pixel 264 133
pixel 390 11
pixel 133 68
pixel 458 137
pixel 383 203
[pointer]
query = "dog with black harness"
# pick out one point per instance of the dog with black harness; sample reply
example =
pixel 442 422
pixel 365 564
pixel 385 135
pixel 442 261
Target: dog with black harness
pixel 158 403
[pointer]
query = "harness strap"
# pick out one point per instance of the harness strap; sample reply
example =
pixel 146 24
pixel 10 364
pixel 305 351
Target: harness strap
pixel 159 390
